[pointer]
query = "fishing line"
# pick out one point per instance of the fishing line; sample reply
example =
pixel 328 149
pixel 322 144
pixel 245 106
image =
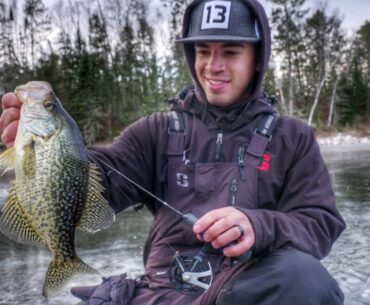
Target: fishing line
pixel 129 199
pixel 133 204
pixel 188 218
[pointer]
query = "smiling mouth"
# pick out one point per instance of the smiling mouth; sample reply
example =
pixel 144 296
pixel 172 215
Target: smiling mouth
pixel 217 84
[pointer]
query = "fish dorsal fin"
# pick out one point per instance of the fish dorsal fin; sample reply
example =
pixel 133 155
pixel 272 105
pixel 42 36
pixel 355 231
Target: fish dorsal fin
pixel 7 159
pixel 14 222
pixel 96 213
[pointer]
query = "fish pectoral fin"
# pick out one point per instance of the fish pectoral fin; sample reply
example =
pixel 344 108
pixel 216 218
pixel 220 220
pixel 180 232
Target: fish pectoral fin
pixel 14 222
pixel 7 159
pixel 96 214
pixel 59 273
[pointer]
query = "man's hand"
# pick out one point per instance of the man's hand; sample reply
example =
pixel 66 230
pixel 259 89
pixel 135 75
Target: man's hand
pixel 220 227
pixel 9 118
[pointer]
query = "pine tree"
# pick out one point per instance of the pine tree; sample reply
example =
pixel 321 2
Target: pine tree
pixel 100 80
pixel 176 65
pixel 36 25
pixel 363 44
pixel 12 70
pixel 128 64
pixel 325 43
pixel 353 96
pixel 287 18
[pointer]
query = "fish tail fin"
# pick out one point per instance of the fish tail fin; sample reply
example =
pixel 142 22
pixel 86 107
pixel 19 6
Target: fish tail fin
pixel 59 273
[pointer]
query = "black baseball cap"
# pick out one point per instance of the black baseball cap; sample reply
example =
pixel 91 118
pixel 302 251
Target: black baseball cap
pixel 222 21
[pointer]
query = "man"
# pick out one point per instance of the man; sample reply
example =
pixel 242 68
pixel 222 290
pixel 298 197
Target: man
pixel 256 181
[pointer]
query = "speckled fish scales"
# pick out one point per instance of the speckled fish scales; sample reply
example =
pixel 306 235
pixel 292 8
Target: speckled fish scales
pixel 56 189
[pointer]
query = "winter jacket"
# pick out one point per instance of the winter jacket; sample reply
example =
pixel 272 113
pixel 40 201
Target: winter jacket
pixel 295 204
pixel 288 197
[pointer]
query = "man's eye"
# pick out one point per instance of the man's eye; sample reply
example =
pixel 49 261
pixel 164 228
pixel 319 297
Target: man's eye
pixel 231 52
pixel 202 51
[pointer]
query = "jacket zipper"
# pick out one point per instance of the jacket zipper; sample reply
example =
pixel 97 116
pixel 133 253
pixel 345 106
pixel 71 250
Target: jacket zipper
pixel 219 144
pixel 241 163
pixel 233 190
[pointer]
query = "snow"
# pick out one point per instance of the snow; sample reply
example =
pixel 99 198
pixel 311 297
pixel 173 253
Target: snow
pixel 342 138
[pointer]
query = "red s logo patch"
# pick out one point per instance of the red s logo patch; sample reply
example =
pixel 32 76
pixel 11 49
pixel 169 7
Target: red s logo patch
pixel 265 163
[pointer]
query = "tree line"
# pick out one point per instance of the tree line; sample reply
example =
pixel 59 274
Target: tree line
pixel 103 60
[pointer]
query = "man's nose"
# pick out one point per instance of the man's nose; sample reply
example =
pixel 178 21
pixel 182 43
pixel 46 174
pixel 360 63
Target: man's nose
pixel 216 62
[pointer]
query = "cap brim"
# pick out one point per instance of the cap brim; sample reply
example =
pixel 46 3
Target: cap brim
pixel 218 38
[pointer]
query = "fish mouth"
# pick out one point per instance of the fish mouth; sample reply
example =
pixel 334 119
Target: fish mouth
pixel 35 90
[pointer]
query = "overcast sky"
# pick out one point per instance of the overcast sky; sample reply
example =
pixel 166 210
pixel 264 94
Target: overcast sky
pixel 354 12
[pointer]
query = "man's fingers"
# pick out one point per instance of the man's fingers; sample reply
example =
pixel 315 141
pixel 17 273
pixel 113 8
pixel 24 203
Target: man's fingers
pixel 9 134
pixel 10 100
pixel 226 238
pixel 242 246
pixel 207 220
pixel 9 118
pixel 227 228
pixel 217 228
pixel 9 115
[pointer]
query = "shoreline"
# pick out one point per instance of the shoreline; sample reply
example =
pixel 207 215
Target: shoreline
pixel 341 139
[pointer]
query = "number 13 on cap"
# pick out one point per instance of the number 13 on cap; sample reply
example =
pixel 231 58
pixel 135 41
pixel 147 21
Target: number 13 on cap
pixel 216 15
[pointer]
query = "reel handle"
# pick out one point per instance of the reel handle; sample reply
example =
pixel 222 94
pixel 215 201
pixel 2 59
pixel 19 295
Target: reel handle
pixel 245 257
pixel 190 219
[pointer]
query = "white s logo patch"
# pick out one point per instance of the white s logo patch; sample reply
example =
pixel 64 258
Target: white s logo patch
pixel 182 180
pixel 216 15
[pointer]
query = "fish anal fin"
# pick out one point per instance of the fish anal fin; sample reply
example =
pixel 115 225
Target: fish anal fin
pixel 7 159
pixel 14 222
pixel 96 214
pixel 59 273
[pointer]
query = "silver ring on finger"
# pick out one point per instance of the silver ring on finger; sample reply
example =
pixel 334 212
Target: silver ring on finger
pixel 241 230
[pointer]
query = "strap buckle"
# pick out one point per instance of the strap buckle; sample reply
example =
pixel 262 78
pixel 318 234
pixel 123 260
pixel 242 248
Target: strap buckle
pixel 256 131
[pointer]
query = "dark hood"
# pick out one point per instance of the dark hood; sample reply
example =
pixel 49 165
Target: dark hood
pixel 227 118
pixel 263 50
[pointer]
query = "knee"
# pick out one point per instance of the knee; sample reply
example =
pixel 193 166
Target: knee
pixel 300 276
pixel 288 277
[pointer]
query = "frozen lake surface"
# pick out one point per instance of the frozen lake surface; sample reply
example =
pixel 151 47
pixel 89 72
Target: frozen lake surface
pixel 118 250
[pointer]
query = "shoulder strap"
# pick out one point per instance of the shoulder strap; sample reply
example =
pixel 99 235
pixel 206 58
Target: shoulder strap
pixel 262 135
pixel 176 134
pixel 255 153
pixel 175 122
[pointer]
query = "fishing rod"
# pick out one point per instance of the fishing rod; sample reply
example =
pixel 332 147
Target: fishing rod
pixel 188 273
pixel 189 219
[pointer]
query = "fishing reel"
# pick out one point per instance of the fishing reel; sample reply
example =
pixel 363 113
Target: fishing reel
pixel 190 274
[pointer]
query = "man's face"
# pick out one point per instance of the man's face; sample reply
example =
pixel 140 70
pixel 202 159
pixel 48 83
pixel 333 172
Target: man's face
pixel 224 70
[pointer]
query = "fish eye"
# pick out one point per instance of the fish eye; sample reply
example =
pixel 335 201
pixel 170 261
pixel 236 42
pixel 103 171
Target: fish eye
pixel 49 105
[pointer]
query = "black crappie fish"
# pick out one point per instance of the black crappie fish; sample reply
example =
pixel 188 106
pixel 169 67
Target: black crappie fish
pixel 56 189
